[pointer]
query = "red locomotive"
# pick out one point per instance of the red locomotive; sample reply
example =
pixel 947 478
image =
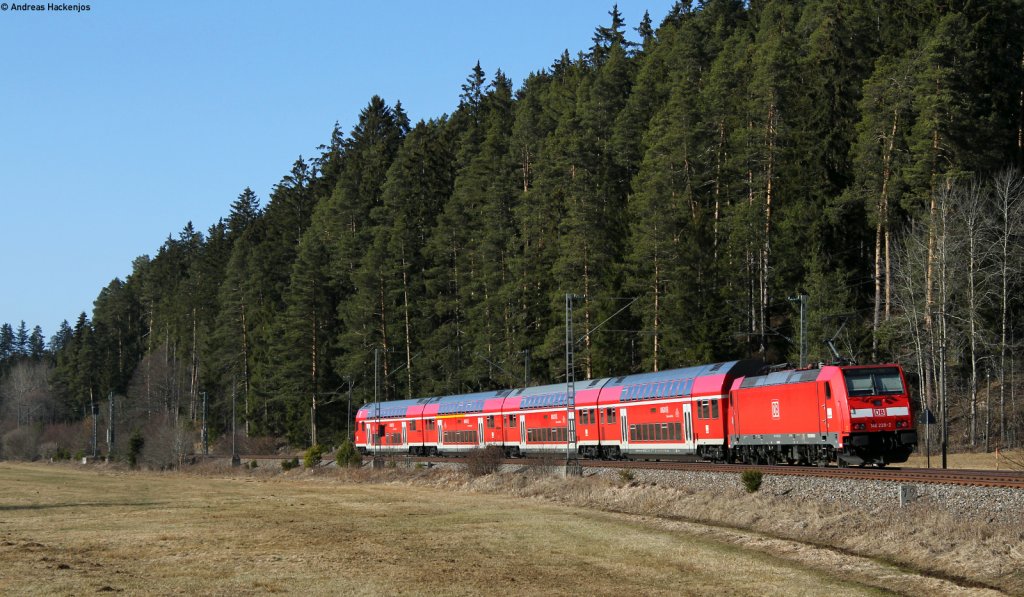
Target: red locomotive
pixel 847 414
pixel 724 411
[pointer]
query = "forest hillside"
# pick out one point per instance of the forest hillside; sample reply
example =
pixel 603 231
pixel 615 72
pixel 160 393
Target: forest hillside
pixel 697 182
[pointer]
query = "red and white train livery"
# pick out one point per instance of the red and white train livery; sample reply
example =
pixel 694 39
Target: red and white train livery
pixel 723 411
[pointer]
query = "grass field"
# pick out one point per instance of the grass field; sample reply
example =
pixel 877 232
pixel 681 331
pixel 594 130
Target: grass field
pixel 1009 460
pixel 70 530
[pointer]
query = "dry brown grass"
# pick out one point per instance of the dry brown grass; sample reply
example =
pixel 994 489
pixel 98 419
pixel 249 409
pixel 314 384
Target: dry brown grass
pixel 67 529
pixel 974 553
pixel 1007 460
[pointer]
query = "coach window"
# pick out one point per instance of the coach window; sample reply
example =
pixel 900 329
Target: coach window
pixel 611 415
pixel 490 421
pixel 828 391
pixel 714 409
pixel 412 425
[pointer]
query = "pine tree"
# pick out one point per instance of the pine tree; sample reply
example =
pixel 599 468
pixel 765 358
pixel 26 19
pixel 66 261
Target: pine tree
pixel 57 342
pixel 21 340
pixel 244 211
pixel 6 342
pixel 263 285
pixel 237 321
pixel 485 189
pixel 348 218
pixel 608 37
pixel 879 157
pixel 418 184
pixel 118 328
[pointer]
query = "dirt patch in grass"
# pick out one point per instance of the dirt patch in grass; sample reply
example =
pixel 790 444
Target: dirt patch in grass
pixel 71 530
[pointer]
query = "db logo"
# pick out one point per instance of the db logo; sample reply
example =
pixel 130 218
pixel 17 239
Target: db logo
pixel 775 409
pixel 879 412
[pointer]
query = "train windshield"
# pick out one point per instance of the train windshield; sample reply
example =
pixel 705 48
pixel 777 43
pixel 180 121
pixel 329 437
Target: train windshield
pixel 873 382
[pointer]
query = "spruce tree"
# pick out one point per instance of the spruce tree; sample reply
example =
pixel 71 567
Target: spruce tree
pixel 6 342
pixel 21 340
pixel 347 217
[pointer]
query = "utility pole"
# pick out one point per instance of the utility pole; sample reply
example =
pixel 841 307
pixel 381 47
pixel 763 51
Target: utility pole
pixel 235 459
pixel 376 435
pixel 206 431
pixel 348 421
pixel 312 422
pixel 942 387
pixel 526 368
pixel 110 425
pixel 802 298
pixel 95 413
pixel 572 461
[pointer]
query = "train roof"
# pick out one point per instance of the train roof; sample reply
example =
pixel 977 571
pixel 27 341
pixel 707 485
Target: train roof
pixel 734 368
pixel 776 378
pixel 465 403
pixel 787 376
pixel 394 408
pixel 553 395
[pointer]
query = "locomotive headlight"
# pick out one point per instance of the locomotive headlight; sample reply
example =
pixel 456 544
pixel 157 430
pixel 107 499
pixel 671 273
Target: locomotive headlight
pixel 901 424
pixel 859 426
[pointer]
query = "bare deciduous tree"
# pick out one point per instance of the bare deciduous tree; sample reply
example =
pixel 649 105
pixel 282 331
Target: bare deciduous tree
pixel 25 393
pixel 1008 201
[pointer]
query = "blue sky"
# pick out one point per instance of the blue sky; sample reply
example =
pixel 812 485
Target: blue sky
pixel 121 124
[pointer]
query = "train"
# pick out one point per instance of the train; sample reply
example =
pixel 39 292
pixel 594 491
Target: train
pixel 737 412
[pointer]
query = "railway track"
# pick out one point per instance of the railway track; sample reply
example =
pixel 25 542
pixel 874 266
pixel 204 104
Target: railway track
pixel 976 478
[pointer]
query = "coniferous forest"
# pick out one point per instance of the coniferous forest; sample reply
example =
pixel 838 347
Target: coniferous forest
pixel 689 180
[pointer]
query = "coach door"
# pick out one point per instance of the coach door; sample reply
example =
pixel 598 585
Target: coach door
pixel 624 429
pixel 522 433
pixel 480 431
pixel 405 435
pixel 440 433
pixel 688 439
